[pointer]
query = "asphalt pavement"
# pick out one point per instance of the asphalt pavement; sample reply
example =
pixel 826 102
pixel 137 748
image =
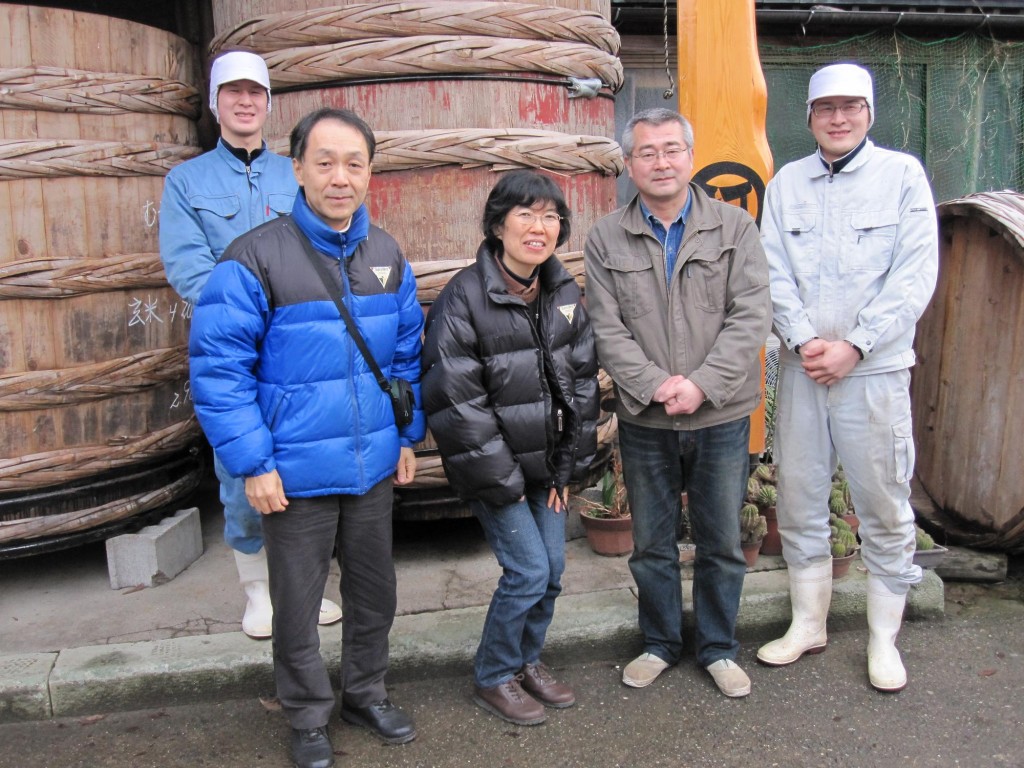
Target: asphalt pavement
pixel 962 707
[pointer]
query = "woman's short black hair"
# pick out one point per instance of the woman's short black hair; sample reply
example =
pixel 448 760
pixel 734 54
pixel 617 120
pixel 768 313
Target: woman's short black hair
pixel 302 129
pixel 522 188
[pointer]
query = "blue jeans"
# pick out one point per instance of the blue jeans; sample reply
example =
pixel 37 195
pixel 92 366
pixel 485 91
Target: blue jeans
pixel 243 526
pixel 528 538
pixel 712 465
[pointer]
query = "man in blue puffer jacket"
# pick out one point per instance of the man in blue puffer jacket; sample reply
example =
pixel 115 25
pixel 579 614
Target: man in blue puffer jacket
pixel 290 404
pixel 207 203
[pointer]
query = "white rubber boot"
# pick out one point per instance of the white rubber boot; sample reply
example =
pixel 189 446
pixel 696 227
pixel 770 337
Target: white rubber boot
pixel 257 622
pixel 810 592
pixel 885 614
pixel 258 619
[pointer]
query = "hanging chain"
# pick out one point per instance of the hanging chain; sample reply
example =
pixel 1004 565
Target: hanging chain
pixel 671 90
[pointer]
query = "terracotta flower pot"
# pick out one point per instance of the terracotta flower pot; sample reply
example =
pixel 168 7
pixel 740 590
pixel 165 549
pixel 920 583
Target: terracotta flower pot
pixel 841 565
pixel 609 536
pixel 853 521
pixel 772 542
pixel 751 550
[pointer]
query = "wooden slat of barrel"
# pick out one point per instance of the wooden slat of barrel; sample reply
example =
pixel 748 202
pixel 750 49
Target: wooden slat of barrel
pixel 114 311
pixel 967 394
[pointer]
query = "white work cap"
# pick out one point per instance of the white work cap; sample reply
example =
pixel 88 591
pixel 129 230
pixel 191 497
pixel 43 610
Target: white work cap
pixel 233 66
pixel 841 80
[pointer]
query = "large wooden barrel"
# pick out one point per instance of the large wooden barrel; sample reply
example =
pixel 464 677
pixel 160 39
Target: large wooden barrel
pixel 456 92
pixel 95 417
pixel 968 384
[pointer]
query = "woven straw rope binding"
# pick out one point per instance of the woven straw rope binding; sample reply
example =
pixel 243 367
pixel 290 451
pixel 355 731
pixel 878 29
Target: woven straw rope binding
pixel 69 522
pixel 50 158
pixel 320 26
pixel 54 89
pixel 40 470
pixel 438 54
pixel 95 381
pixel 502 148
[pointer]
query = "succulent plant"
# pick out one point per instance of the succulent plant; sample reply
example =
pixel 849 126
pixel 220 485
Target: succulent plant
pixel 753 525
pixel 765 473
pixel 923 540
pixel 767 496
pixel 753 488
pixel 837 502
pixel 842 540
pixel 844 487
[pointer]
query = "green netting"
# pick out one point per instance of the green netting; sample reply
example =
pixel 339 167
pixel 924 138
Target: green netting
pixel 954 103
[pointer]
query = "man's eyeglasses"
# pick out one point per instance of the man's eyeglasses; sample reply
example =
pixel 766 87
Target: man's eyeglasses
pixel 828 110
pixel 648 157
pixel 527 218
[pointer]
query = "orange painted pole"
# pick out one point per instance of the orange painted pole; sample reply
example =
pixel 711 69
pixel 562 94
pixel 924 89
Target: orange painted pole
pixel 722 92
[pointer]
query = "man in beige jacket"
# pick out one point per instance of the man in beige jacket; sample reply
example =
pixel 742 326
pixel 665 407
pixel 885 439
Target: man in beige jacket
pixel 677 288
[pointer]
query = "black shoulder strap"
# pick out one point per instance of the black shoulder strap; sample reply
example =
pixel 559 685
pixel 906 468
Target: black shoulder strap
pixel 357 337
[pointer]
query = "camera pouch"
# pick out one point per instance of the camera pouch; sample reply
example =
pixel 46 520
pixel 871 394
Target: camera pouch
pixel 403 400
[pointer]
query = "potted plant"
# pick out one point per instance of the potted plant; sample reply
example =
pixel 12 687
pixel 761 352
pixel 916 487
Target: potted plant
pixel 753 528
pixel 844 546
pixel 607 522
pixel 927 553
pixel 840 494
pixel 761 491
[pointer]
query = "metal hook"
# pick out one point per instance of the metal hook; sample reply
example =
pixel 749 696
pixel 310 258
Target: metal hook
pixel 584 87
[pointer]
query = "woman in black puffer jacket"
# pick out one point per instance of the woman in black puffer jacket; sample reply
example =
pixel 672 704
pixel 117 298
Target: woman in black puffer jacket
pixel 510 391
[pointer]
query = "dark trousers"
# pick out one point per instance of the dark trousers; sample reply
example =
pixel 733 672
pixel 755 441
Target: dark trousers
pixel 299 542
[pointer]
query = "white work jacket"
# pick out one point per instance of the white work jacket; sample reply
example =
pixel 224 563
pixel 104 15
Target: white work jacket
pixel 852 255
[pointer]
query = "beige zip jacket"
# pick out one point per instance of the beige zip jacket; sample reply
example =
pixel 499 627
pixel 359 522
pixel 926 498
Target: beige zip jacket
pixel 708 325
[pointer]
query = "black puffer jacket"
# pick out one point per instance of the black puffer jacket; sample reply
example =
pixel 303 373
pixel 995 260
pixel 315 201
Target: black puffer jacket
pixel 490 405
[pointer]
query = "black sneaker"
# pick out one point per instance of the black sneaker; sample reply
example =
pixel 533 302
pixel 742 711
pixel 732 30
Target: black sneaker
pixel 311 748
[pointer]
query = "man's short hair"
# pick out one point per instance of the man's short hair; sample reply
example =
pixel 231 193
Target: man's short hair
pixel 655 116
pixel 300 133
pixel 522 188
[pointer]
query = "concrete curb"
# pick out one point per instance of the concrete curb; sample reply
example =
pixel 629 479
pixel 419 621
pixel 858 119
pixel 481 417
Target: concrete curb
pixel 590 626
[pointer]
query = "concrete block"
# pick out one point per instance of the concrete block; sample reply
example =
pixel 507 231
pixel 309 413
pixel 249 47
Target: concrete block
pixel 157 553
pixel 24 694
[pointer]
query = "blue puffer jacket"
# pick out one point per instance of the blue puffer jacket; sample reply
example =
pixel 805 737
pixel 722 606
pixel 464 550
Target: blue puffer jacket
pixel 278 382
pixel 209 201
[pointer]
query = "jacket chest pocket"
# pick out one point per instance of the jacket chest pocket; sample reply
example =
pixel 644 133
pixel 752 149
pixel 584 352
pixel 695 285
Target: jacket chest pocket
pixel 707 279
pixel 217 215
pixel 635 284
pixel 872 236
pixel 802 240
pixel 280 203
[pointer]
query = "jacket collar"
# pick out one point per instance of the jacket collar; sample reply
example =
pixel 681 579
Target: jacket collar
pixel 702 216
pixel 551 273
pixel 325 239
pixel 237 165
pixel 817 169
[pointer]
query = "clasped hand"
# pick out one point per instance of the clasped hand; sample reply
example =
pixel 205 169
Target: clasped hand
pixel 679 395
pixel 828 362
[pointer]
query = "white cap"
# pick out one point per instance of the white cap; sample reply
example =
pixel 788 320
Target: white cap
pixel 233 66
pixel 841 80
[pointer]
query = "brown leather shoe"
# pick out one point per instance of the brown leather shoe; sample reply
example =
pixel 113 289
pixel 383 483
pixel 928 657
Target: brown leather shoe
pixel 539 683
pixel 510 702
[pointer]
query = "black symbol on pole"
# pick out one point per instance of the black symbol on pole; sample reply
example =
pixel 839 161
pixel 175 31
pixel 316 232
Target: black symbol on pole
pixel 748 194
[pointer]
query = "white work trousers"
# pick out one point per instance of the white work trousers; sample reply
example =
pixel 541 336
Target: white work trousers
pixel 864 422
